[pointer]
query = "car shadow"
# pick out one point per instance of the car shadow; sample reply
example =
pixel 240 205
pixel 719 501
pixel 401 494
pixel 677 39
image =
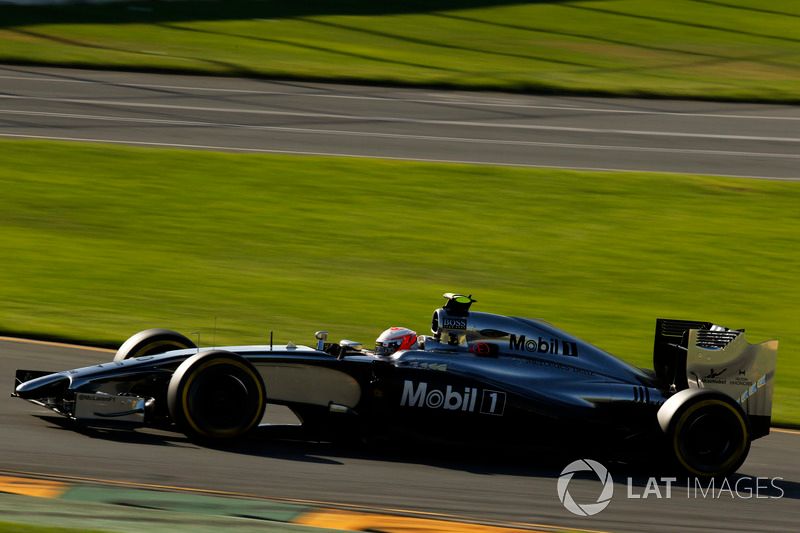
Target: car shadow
pixel 117 434
pixel 289 443
pixel 500 459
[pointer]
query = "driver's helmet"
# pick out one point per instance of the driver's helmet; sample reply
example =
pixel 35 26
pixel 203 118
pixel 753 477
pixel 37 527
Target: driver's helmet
pixel 395 339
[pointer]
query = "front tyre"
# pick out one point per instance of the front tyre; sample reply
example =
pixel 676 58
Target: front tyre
pixel 216 396
pixel 151 342
pixel 708 433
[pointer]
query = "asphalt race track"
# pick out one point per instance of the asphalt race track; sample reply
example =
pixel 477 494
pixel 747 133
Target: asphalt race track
pixel 313 118
pixel 509 490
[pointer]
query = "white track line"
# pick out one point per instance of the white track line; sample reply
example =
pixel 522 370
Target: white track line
pixel 467 100
pixel 372 156
pixel 387 119
pixel 436 138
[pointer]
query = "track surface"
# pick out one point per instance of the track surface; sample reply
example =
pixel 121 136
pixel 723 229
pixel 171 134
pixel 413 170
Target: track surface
pixel 480 488
pixel 293 117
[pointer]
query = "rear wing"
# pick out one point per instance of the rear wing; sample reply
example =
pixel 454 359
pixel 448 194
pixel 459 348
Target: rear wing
pixel 669 350
pixel 691 354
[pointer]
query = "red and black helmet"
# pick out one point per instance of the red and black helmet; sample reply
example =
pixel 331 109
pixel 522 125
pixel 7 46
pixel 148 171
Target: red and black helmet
pixel 395 339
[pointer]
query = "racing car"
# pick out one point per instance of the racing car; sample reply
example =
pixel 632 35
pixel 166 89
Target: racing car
pixel 478 375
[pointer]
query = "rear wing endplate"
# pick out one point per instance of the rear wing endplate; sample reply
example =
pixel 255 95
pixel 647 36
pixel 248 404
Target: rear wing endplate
pixel 725 361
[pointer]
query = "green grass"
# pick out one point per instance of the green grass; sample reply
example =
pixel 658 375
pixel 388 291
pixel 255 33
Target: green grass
pixel 11 527
pixel 99 242
pixel 718 49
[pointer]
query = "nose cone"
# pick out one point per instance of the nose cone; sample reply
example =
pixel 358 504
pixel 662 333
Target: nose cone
pixel 49 385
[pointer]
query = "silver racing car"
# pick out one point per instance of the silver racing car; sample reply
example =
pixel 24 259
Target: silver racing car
pixel 478 376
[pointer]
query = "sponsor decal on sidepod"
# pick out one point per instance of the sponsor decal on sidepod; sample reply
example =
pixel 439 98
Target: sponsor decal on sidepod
pixel 419 394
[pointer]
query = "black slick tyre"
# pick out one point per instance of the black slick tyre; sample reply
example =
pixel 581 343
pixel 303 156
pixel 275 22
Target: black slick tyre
pixel 708 433
pixel 216 396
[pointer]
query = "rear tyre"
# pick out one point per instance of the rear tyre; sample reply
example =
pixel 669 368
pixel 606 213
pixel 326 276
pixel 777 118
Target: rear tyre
pixel 216 396
pixel 151 342
pixel 708 433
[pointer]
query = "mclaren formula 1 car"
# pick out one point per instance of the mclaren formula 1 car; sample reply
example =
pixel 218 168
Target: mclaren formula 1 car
pixel 478 375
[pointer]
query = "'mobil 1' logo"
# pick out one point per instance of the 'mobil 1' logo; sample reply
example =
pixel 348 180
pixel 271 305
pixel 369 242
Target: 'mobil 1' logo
pixel 420 394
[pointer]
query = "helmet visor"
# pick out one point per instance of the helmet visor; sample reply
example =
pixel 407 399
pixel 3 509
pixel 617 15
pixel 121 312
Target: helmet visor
pixel 386 348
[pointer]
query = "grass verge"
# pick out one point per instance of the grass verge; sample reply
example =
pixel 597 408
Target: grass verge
pixel 11 527
pixel 99 242
pixel 721 49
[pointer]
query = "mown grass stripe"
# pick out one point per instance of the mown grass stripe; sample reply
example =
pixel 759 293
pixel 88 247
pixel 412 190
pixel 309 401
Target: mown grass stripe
pixel 667 48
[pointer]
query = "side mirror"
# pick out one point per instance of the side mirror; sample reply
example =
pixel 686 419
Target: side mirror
pixel 321 337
